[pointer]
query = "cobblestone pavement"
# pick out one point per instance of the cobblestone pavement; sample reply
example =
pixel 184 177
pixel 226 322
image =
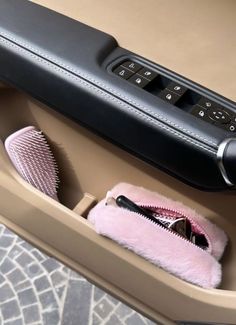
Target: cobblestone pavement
pixel 38 290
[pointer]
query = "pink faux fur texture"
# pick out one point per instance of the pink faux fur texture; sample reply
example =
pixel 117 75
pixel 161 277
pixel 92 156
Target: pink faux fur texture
pixel 141 196
pixel 156 244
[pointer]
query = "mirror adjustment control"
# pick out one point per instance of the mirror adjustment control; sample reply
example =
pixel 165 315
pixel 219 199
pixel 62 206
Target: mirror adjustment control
pixel 123 72
pixel 177 88
pixel 132 66
pixel 169 96
pixel 138 81
pixel 219 115
pixel 148 73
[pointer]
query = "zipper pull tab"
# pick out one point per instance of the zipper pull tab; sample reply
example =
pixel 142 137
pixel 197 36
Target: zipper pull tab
pixel 111 201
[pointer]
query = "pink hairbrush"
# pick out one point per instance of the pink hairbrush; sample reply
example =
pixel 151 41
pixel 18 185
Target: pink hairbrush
pixel 31 156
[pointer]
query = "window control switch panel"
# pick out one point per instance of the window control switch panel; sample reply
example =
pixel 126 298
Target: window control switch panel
pixel 176 94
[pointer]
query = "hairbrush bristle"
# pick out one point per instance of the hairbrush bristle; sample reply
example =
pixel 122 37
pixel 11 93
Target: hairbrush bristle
pixel 32 157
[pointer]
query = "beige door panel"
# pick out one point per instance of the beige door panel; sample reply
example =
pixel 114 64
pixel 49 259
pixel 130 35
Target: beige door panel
pixel 195 38
pixel 91 165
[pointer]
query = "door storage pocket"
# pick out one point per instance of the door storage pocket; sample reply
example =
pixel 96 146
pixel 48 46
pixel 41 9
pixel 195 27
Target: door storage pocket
pixel 89 164
pixel 167 233
pixel 36 158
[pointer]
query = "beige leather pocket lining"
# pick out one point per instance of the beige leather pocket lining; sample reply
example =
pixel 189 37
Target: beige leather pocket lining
pixel 89 164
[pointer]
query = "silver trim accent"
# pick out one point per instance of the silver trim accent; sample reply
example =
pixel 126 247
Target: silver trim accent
pixel 220 156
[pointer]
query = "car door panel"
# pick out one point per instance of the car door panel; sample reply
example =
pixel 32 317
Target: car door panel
pixel 91 164
pixel 65 54
pixel 87 164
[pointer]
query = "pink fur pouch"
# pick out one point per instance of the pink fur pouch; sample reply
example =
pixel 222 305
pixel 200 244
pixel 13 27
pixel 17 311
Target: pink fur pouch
pixel 159 245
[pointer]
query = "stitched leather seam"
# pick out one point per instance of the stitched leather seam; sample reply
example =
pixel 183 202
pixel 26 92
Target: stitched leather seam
pixel 106 95
pixel 112 91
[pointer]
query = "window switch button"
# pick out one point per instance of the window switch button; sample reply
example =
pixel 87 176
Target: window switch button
pixel 206 103
pixel 148 74
pixel 132 66
pixel 122 72
pixel 138 81
pixel 177 88
pixel 169 96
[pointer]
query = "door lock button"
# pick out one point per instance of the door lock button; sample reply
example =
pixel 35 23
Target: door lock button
pixel 201 113
pixel 123 72
pixel 169 96
pixel 132 66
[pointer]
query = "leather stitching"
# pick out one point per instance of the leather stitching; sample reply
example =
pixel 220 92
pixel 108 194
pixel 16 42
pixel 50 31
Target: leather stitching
pixel 106 95
pixel 81 74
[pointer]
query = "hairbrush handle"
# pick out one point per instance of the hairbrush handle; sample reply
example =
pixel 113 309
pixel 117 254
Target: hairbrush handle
pixel 123 202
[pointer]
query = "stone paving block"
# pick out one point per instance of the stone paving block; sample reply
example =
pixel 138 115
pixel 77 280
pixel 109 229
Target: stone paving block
pixel 123 311
pixel 19 240
pixel 60 291
pixel 47 300
pixel 56 286
pixel 24 259
pixel 31 314
pixel 103 308
pixel 6 266
pixel 76 276
pixel 2 278
pixel 96 320
pixel 98 294
pixel 58 278
pixel 113 300
pixel 3 253
pixel 6 241
pixel 77 303
pixel 23 285
pixel 134 319
pixel 10 310
pixel 65 269
pixel 27 297
pixel 15 252
pixel 52 318
pixel 26 246
pixel 38 255
pixel 8 232
pixel 16 277
pixel 42 283
pixel 51 265
pixel 33 270
pixel 6 293
pixel 114 320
